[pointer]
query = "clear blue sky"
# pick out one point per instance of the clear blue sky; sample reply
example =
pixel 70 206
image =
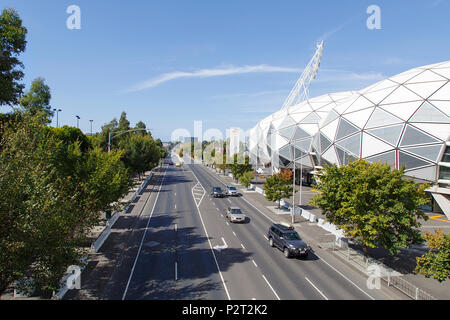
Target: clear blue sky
pixel 163 61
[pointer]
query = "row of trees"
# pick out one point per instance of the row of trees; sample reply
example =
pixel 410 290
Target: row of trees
pixel 54 182
pixel 380 208
pixel 141 152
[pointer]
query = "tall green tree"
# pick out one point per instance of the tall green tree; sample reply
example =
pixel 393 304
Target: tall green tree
pixel 51 193
pixel 124 124
pixel 38 99
pixel 436 262
pixel 140 125
pixel 246 178
pixel 373 204
pixel 278 187
pixel 238 169
pixel 12 44
pixel 140 153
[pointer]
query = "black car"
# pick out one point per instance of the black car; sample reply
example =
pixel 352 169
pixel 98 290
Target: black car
pixel 217 192
pixel 285 238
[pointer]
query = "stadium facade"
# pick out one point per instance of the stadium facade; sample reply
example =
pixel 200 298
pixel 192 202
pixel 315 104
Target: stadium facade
pixel 402 120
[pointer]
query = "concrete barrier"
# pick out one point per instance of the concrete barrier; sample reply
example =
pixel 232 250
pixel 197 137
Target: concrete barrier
pixel 312 217
pixel 259 190
pixel 305 214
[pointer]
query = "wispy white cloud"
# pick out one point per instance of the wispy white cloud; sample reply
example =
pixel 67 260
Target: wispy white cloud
pixel 206 73
pixel 251 94
pixel 331 32
pixel 350 76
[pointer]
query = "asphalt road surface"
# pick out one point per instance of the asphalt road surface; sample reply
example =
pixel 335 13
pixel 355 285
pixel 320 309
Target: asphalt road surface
pixel 189 250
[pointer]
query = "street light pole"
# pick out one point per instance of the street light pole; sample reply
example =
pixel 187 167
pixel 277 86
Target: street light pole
pixel 118 133
pixel 78 121
pixel 57 118
pixel 91 126
pixel 293 194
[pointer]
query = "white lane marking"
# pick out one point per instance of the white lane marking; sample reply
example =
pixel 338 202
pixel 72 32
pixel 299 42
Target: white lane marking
pixel 176 270
pixel 227 223
pixel 344 276
pixel 175 194
pixel 143 236
pixel 325 297
pixel 234 234
pixel 266 237
pixel 314 252
pixel 254 263
pixel 273 221
pixel 242 246
pixel 175 205
pixel 276 295
pixel 210 245
pixel 176 227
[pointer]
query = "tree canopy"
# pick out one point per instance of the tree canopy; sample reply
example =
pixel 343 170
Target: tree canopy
pixel 278 186
pixel 373 204
pixel 12 44
pixel 51 194
pixel 436 262
pixel 38 99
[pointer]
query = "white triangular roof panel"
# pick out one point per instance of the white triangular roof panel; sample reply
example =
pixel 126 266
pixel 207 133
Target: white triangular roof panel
pixel 426 76
pixel 330 129
pixel 401 94
pixel 425 89
pixel 442 94
pixel 444 106
pixel 441 131
pixel 372 146
pixel 403 110
pixel 360 117
pixel 445 72
pixel 443 65
pixel 310 128
pixel 377 96
pixel 428 173
pixel 330 155
pixel 405 76
pixel 382 118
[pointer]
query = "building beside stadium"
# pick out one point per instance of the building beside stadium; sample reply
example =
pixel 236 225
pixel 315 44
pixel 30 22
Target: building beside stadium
pixel 402 120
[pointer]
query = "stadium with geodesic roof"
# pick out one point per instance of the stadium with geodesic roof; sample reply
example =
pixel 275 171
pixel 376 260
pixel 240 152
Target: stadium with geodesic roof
pixel 402 120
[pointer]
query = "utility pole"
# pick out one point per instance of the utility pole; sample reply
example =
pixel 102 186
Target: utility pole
pixel 78 121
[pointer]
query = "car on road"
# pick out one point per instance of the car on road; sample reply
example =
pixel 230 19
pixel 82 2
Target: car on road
pixel 235 214
pixel 217 192
pixel 232 191
pixel 284 237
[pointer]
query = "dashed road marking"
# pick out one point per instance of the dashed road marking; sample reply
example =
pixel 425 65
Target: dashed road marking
pixel 325 297
pixel 276 295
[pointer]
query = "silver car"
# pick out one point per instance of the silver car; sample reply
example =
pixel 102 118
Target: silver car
pixel 232 191
pixel 234 214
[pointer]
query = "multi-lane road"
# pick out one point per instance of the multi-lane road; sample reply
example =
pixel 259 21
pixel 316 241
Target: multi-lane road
pixel 188 250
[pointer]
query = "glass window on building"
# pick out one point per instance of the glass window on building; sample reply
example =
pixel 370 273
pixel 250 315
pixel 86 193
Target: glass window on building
pixel 444 173
pixel 446 157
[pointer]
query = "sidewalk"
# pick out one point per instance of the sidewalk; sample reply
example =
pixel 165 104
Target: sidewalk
pixel 95 276
pixel 404 262
pixel 99 263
